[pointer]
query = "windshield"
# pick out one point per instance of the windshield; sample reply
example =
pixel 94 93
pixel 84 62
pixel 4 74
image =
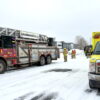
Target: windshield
pixel 97 48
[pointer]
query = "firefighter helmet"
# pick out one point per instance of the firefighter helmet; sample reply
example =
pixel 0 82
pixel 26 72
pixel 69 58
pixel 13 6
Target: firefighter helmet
pixel 64 48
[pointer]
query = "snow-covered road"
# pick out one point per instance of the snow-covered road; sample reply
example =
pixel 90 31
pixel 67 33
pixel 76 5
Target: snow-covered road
pixel 57 81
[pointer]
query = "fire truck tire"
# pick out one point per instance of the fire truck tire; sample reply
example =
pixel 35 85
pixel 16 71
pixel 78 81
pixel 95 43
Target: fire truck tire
pixel 42 61
pixel 48 60
pixel 3 67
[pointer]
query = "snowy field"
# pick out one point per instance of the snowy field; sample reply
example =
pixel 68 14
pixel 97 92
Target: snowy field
pixel 57 81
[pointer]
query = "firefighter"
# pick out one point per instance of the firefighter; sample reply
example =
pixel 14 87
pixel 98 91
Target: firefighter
pixel 89 52
pixel 65 52
pixel 86 51
pixel 72 54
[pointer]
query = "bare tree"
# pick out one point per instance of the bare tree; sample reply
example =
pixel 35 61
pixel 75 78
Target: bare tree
pixel 81 42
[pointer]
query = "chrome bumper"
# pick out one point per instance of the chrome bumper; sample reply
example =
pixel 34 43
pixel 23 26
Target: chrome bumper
pixel 94 77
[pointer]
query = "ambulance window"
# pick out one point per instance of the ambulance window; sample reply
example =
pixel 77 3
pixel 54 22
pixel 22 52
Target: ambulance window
pixel 97 49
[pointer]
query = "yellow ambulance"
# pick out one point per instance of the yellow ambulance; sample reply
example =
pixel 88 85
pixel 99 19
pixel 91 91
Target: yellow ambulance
pixel 94 66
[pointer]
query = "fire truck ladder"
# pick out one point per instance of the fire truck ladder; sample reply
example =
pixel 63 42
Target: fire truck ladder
pixel 22 35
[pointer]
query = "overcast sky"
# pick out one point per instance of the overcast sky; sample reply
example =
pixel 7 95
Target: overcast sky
pixel 63 19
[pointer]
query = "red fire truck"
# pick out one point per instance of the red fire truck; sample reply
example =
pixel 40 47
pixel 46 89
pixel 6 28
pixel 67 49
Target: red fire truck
pixel 20 47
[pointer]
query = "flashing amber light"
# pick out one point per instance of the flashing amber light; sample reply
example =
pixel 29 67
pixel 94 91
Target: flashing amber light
pixel 0 50
pixel 9 52
pixel 14 55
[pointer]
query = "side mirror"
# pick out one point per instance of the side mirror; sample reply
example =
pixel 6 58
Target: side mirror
pixel 91 52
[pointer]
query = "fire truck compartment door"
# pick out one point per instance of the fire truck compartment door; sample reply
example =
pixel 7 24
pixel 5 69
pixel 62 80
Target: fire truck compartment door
pixel 35 55
pixel 23 55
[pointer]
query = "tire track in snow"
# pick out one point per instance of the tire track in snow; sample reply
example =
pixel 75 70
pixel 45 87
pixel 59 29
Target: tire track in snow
pixel 26 86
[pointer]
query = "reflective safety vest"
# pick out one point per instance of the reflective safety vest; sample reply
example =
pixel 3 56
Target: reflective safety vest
pixel 73 52
pixel 65 52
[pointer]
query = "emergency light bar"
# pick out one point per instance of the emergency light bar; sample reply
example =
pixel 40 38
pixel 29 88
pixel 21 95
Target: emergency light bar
pixel 96 36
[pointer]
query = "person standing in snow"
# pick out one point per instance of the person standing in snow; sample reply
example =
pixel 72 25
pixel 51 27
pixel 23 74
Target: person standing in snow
pixel 72 54
pixel 65 52
pixel 89 52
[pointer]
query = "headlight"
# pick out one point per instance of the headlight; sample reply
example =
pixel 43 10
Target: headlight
pixel 92 67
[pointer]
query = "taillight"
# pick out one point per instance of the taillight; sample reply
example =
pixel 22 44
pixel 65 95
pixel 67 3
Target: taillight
pixel 98 64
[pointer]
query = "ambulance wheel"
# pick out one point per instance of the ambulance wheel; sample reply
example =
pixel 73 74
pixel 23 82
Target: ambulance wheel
pixel 2 66
pixel 48 60
pixel 91 84
pixel 42 61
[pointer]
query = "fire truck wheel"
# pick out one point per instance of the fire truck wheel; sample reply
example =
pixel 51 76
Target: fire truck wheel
pixel 42 61
pixel 2 66
pixel 48 60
